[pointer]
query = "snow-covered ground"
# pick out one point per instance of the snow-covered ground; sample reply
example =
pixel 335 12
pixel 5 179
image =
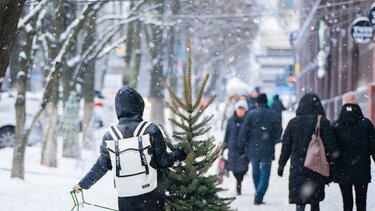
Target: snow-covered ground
pixel 48 188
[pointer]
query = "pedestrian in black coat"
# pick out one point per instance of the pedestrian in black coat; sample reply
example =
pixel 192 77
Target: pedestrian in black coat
pixel 305 186
pixel 129 110
pixel 258 135
pixel 355 136
pixel 236 163
pixel 278 107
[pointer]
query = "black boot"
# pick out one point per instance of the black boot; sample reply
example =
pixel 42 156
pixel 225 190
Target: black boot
pixel 239 189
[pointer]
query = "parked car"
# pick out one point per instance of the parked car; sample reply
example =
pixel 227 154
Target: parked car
pixel 8 119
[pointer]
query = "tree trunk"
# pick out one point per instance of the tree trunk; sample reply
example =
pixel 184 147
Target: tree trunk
pixel 10 12
pixel 67 15
pixel 88 89
pixel 86 124
pixel 156 87
pixel 23 64
pixel 20 145
pixel 154 37
pixel 49 147
pixel 172 72
pixel 71 146
pixel 137 55
pixel 14 63
pixel 126 74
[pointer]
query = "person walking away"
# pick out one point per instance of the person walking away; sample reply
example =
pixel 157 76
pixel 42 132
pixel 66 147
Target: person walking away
pixel 236 163
pixel 306 186
pixel 355 136
pixel 252 99
pixel 129 107
pixel 277 107
pixel 258 135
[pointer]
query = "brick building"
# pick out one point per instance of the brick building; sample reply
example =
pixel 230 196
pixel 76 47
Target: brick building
pixel 329 62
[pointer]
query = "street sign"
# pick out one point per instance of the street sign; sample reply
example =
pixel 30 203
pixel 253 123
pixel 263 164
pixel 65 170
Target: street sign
pixel 362 30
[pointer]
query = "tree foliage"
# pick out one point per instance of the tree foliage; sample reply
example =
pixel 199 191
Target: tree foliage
pixel 190 187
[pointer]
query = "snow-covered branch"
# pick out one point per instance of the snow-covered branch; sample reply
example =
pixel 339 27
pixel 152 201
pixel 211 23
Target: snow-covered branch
pixel 98 45
pixel 158 22
pixel 69 30
pixel 71 33
pixel 23 21
pixel 111 47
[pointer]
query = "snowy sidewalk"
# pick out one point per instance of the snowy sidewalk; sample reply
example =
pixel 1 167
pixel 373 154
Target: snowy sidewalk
pixel 47 189
pixel 276 197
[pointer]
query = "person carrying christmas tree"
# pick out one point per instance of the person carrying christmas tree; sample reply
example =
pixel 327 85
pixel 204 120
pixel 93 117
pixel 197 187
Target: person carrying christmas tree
pixel 135 151
pixel 257 138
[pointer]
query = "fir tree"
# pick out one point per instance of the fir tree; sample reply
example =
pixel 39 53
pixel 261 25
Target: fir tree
pixel 190 188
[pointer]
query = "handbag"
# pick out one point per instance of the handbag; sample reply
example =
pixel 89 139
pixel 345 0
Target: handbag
pixel 316 159
pixel 221 169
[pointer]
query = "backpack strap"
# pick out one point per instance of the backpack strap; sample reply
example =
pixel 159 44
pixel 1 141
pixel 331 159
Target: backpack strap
pixel 115 133
pixel 139 131
pixel 139 128
pixel 142 154
pixel 144 128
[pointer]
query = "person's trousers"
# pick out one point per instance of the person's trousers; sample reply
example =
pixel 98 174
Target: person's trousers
pixel 239 177
pixel 360 196
pixel 153 201
pixel 261 177
pixel 314 207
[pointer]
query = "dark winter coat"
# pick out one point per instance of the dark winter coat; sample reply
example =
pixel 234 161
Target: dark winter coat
pixel 129 110
pixel 252 103
pixel 277 107
pixel 355 136
pixel 305 186
pixel 259 133
pixel 236 162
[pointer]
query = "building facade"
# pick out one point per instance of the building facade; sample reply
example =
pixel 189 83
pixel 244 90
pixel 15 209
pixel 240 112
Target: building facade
pixel 329 61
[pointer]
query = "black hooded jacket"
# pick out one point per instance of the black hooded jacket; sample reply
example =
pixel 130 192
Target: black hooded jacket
pixel 355 136
pixel 277 107
pixel 258 134
pixel 129 110
pixel 295 142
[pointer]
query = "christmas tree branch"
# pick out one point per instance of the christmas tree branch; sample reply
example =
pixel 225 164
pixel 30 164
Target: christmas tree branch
pixel 187 94
pixel 174 97
pixel 201 132
pixel 200 93
pixel 168 139
pixel 203 123
pixel 177 112
pixel 180 125
pixel 201 110
pixel 179 138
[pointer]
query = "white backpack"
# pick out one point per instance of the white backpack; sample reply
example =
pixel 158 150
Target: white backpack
pixel 131 161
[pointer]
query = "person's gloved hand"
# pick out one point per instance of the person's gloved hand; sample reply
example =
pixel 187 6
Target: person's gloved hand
pixel 280 171
pixel 77 188
pixel 180 154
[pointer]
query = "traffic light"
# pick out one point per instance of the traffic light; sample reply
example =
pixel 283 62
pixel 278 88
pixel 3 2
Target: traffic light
pixel 292 79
